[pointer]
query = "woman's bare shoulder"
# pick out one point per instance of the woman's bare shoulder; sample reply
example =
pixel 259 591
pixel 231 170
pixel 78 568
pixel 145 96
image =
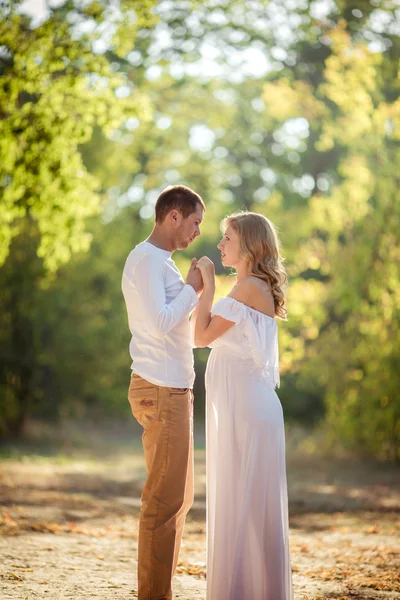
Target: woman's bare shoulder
pixel 254 292
pixel 242 290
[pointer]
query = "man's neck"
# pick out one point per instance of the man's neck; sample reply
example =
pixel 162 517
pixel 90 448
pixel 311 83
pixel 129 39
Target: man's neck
pixel 158 239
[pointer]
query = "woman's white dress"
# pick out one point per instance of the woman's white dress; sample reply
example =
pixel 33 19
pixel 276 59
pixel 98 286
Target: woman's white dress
pixel 247 506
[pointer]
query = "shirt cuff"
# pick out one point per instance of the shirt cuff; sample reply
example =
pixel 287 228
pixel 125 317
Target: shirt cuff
pixel 193 297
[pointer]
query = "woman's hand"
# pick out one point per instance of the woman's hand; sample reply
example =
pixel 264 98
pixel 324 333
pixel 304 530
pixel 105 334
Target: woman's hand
pixel 206 267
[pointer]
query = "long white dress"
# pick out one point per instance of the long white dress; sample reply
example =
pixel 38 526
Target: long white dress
pixel 247 506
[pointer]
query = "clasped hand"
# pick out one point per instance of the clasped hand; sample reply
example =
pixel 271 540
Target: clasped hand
pixel 201 274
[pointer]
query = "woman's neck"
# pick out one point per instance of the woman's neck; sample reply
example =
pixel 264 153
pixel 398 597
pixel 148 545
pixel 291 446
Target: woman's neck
pixel 242 271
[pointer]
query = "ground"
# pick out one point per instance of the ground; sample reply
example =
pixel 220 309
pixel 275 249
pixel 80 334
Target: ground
pixel 69 523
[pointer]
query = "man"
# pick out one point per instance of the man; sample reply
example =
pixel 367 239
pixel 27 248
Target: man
pixel 158 303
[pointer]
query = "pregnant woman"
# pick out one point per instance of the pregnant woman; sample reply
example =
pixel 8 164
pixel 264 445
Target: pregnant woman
pixel 247 508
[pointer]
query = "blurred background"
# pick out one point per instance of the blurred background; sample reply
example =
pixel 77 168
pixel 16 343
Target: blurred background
pixel 290 109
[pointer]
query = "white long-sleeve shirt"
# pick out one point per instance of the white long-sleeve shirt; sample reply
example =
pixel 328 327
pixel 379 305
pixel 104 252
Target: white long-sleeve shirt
pixel 158 304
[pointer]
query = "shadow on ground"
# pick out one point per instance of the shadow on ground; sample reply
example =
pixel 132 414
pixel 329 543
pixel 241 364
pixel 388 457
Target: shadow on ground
pixel 65 514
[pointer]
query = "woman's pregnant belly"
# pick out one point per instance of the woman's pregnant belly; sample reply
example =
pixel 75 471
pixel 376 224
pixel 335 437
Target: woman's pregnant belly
pixel 234 386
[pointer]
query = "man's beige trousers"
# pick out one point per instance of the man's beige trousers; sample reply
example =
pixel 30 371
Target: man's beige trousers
pixel 166 415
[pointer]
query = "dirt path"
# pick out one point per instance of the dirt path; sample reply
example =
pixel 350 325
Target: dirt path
pixel 69 529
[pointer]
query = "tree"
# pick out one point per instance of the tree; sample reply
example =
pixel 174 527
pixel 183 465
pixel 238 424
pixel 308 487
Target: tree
pixel 53 90
pixel 300 144
pixel 352 251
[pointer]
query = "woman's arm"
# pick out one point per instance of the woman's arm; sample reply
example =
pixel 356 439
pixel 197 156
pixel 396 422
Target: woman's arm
pixel 207 329
pixel 202 315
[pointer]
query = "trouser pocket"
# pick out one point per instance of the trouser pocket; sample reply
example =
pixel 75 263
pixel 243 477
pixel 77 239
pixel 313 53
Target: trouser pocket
pixel 143 397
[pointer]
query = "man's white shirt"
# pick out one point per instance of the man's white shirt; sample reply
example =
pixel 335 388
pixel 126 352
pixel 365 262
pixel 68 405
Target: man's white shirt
pixel 159 303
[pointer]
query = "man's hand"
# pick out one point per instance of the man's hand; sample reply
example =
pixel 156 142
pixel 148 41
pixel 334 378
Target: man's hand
pixel 194 277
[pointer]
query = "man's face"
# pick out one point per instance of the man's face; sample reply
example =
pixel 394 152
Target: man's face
pixel 189 228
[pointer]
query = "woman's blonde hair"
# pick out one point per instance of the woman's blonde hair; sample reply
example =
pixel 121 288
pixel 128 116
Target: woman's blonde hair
pixel 260 247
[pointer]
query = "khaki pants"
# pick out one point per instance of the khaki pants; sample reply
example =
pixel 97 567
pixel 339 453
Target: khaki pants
pixel 166 414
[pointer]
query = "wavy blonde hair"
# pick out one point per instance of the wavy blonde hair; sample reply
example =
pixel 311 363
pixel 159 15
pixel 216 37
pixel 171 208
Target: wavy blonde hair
pixel 260 247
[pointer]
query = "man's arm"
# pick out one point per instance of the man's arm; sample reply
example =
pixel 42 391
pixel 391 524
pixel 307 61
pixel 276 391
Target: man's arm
pixel 147 277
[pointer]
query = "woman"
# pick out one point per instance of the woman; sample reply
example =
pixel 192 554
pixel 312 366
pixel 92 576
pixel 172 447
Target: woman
pixel 247 509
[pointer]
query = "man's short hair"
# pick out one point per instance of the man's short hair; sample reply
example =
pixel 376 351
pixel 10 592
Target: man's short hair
pixel 178 197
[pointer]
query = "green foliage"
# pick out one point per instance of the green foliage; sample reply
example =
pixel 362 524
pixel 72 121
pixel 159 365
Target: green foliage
pixel 353 316
pixel 53 91
pixel 314 145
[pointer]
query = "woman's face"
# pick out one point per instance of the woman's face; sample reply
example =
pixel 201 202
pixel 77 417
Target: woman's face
pixel 229 247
